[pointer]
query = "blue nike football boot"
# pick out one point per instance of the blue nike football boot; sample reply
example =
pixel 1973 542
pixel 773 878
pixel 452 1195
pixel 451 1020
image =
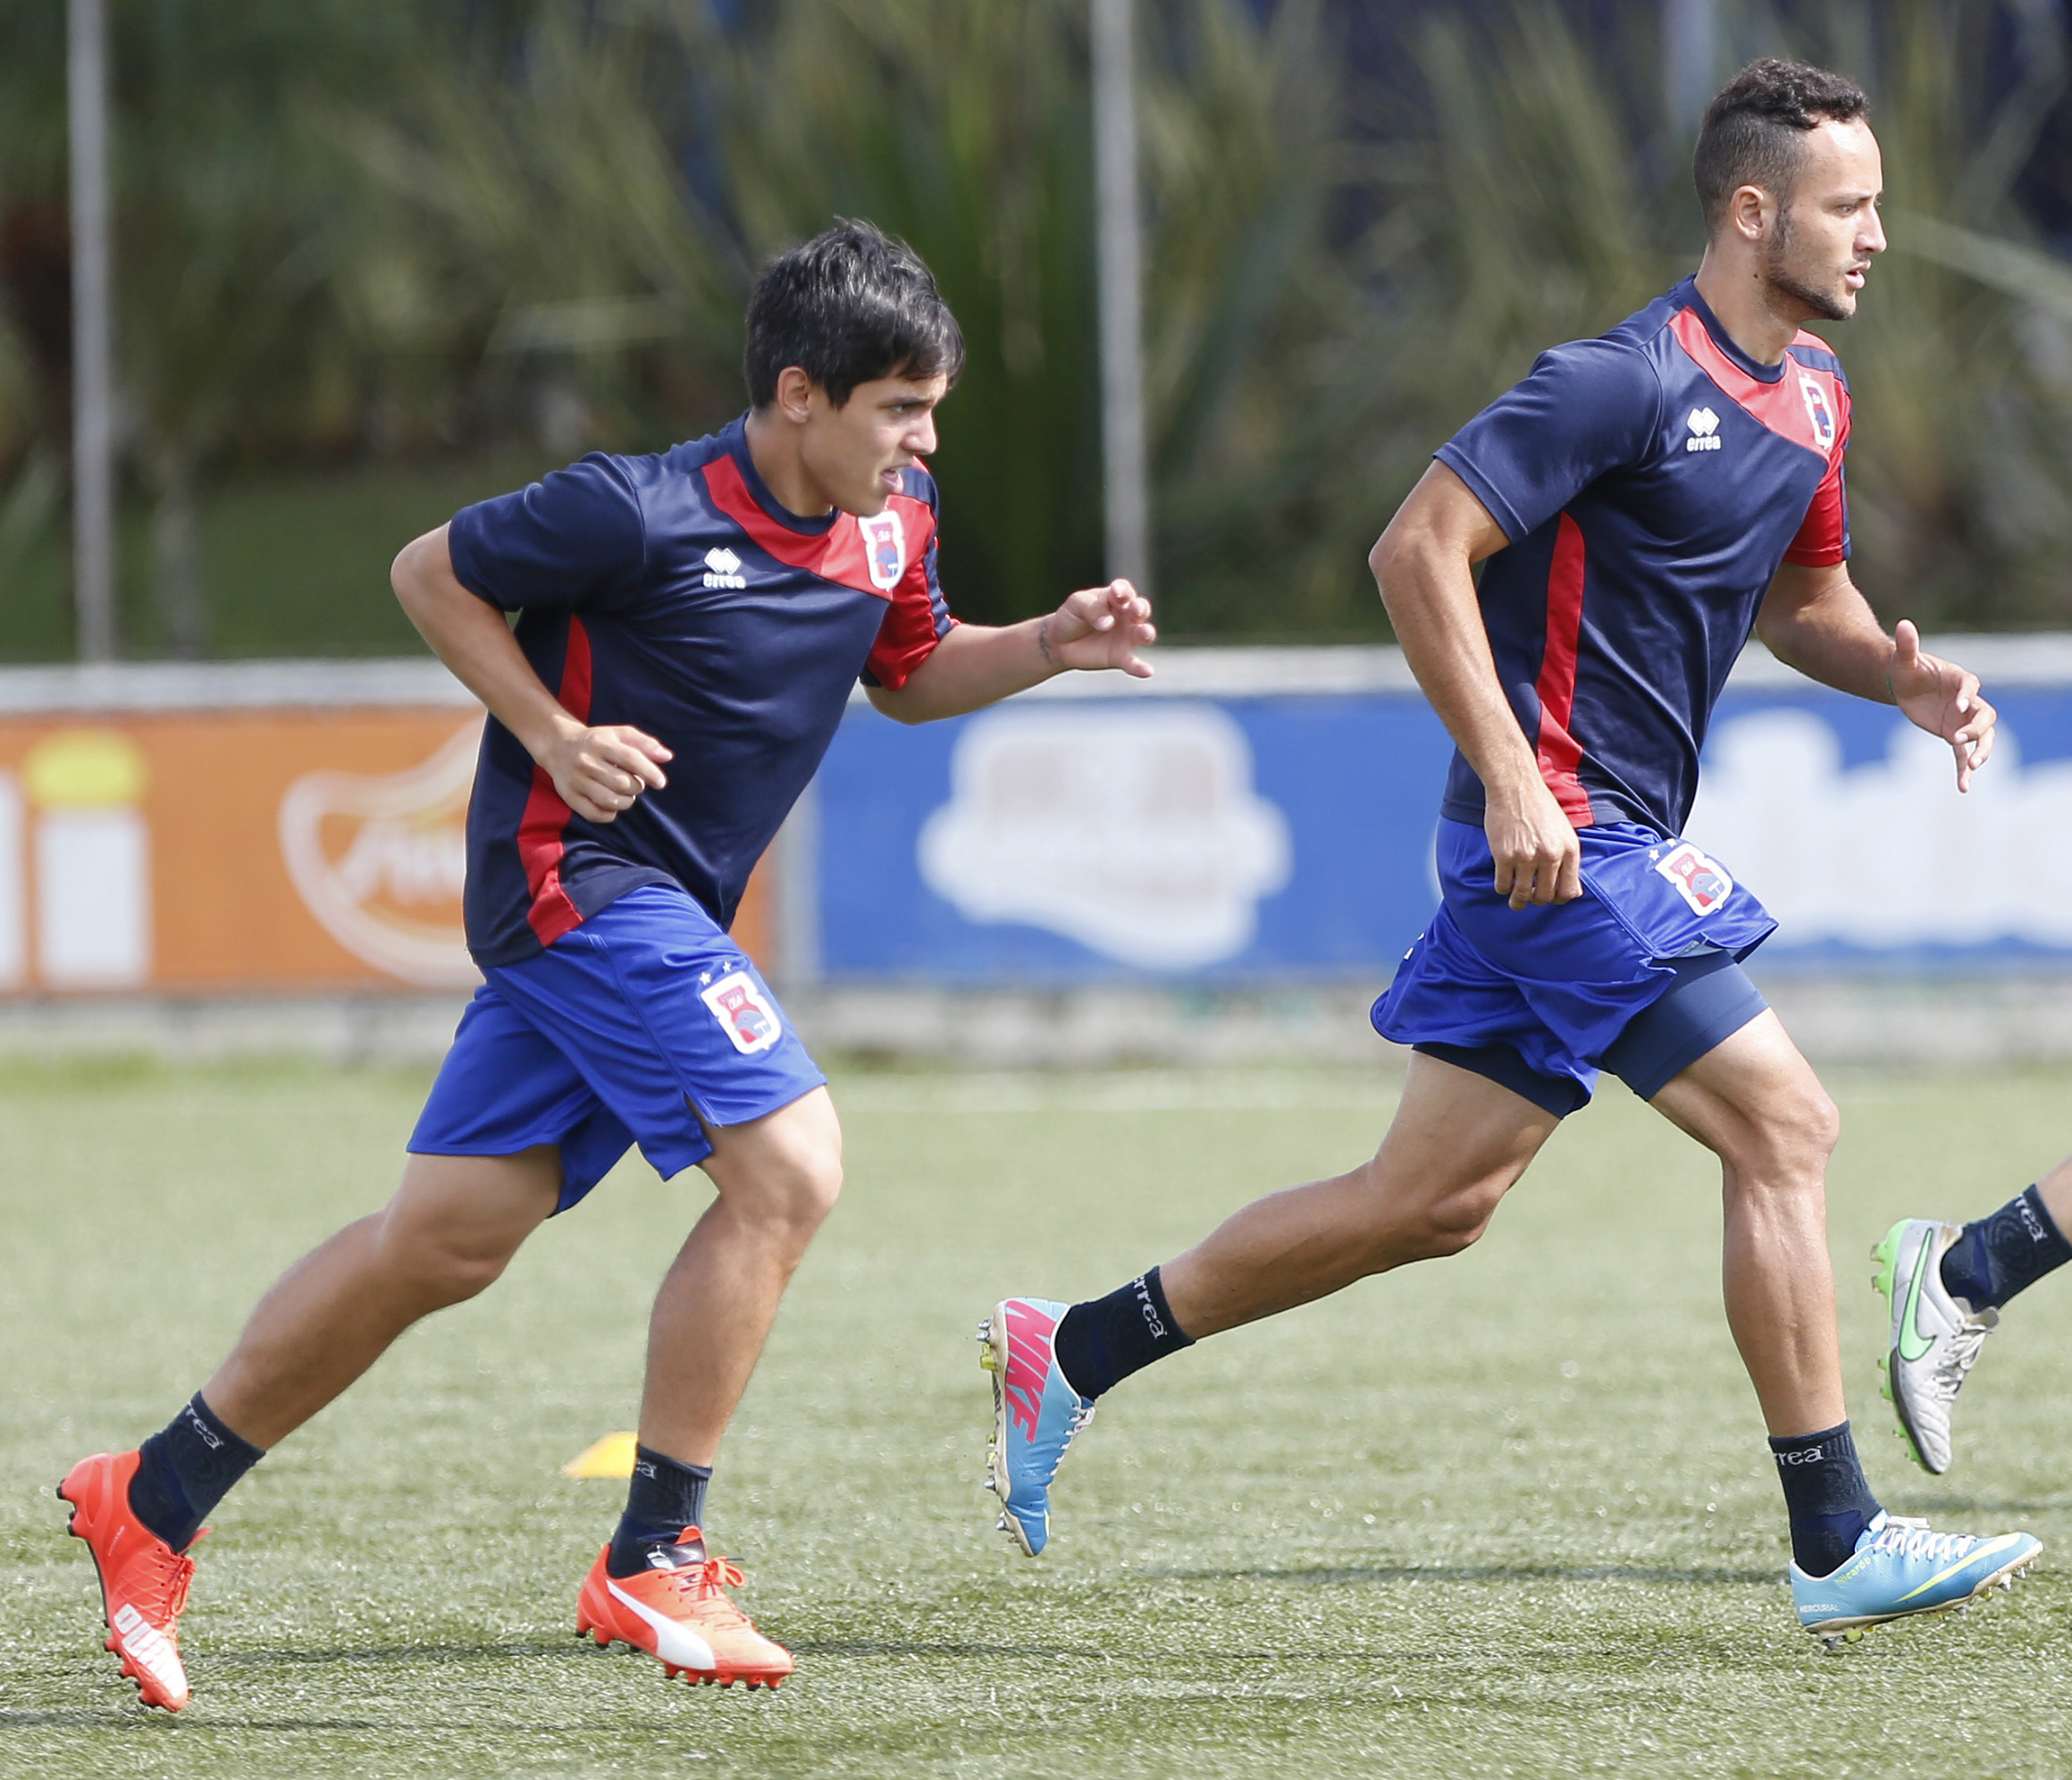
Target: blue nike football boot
pixel 1899 1569
pixel 1035 1414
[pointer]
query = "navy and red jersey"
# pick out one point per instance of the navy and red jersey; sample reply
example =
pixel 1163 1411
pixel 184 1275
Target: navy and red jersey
pixel 674 594
pixel 1651 483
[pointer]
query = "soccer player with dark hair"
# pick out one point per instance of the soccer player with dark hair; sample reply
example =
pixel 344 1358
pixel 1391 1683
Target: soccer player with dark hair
pixel 689 628
pixel 1638 504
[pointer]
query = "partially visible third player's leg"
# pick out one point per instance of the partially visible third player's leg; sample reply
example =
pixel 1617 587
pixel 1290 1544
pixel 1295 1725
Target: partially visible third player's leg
pixel 1945 1287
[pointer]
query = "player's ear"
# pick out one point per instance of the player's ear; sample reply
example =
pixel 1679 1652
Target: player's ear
pixel 1749 212
pixel 795 395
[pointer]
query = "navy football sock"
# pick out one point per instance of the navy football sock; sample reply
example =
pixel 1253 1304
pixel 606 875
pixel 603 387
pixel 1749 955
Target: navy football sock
pixel 2007 1253
pixel 1099 1343
pixel 665 1497
pixel 185 1470
pixel 1826 1495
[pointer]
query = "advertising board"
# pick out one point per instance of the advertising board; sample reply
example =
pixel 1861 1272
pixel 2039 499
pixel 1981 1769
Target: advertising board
pixel 1268 815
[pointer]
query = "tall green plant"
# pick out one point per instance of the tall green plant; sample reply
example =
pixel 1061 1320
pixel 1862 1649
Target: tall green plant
pixel 1548 198
pixel 563 191
pixel 226 203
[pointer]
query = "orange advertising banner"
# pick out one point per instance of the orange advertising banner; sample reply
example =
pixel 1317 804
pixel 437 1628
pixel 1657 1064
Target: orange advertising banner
pixel 234 850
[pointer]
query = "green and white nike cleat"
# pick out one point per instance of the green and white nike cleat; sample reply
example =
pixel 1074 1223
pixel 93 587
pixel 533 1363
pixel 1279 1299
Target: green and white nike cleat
pixel 1935 1336
pixel 1899 1569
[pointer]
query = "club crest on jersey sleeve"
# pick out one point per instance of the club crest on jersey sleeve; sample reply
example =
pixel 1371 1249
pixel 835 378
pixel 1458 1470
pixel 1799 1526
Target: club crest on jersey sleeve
pixel 1819 410
pixel 1702 882
pixel 743 1012
pixel 885 549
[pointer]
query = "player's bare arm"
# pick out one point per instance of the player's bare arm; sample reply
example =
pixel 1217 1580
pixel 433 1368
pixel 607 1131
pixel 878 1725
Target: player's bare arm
pixel 598 771
pixel 1816 619
pixel 979 665
pixel 1424 564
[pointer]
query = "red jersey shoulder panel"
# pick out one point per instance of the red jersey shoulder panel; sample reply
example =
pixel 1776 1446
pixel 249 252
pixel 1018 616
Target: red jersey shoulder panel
pixel 1807 405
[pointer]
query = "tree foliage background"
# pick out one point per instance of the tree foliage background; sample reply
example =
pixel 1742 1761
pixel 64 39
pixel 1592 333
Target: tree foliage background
pixel 365 232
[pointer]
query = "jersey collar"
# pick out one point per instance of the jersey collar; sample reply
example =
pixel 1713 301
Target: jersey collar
pixel 1685 297
pixel 736 436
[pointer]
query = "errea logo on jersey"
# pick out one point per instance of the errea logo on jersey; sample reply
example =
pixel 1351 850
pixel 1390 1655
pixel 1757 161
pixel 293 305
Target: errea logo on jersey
pixel 1704 426
pixel 723 569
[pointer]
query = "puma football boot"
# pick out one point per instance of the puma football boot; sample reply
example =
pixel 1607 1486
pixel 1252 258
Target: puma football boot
pixel 144 1580
pixel 1037 1415
pixel 1899 1569
pixel 679 1612
pixel 1934 1339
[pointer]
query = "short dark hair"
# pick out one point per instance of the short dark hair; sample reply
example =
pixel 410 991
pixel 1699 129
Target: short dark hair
pixel 848 306
pixel 1755 130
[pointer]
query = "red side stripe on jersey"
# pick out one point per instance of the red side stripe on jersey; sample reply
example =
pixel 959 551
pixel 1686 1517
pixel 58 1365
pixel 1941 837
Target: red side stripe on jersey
pixel 1787 406
pixel 1560 753
pixel 834 554
pixel 546 820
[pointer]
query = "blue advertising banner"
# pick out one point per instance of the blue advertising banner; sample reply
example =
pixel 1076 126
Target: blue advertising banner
pixel 1268 815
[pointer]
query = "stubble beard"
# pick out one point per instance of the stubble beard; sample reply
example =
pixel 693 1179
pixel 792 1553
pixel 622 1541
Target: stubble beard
pixel 1779 276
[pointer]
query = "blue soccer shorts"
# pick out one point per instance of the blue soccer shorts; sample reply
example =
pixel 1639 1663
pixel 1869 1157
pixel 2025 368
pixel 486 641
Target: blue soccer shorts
pixel 645 1025
pixel 1640 974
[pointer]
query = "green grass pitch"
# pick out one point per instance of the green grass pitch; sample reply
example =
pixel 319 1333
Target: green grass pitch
pixel 1506 1515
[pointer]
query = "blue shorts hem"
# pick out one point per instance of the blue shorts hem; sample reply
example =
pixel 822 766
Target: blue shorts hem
pixel 1501 1064
pixel 1710 1001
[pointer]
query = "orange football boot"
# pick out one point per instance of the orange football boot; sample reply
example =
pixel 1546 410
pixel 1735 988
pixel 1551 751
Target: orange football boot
pixel 680 1617
pixel 143 1579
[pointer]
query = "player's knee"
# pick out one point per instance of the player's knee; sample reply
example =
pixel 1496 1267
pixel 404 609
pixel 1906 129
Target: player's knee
pixel 1794 1137
pixel 1454 1224
pixel 796 1191
pixel 435 1265
pixel 1444 1225
pixel 448 1271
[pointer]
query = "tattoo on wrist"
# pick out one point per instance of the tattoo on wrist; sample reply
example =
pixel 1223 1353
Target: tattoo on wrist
pixel 1043 643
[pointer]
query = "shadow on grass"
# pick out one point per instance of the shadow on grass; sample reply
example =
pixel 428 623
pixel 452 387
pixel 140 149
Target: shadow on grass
pixel 1475 1572
pixel 162 1725
pixel 897 1647
pixel 376 1655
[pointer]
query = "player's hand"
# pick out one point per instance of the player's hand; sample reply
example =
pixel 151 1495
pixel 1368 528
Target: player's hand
pixel 600 772
pixel 1539 858
pixel 1940 697
pixel 1099 627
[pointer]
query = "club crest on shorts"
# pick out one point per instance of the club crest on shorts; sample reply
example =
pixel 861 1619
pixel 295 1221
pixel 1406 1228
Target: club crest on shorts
pixel 1701 882
pixel 744 1012
pixel 885 549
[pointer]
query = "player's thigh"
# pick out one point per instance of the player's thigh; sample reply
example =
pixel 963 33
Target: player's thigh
pixel 785 1164
pixel 1755 1102
pixel 1459 1142
pixel 459 1219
